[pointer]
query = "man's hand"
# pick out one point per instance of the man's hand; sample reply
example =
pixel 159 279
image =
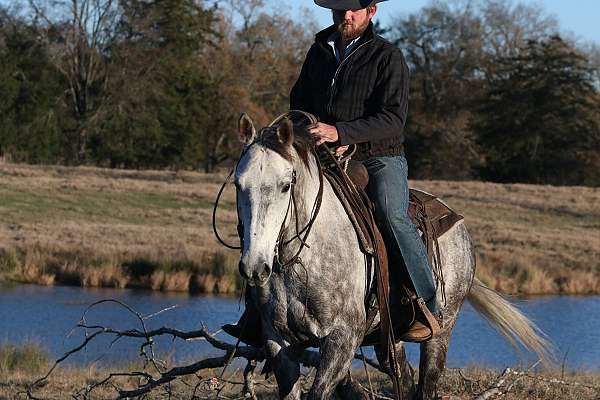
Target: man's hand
pixel 341 150
pixel 323 133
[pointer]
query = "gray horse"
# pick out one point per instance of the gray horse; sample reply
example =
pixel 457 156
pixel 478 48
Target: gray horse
pixel 318 300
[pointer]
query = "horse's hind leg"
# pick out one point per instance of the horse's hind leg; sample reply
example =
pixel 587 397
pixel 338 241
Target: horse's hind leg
pixel 337 352
pixel 431 365
pixel 407 379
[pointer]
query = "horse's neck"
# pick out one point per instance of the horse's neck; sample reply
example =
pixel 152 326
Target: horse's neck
pixel 306 193
pixel 331 220
pixel 308 188
pixel 333 260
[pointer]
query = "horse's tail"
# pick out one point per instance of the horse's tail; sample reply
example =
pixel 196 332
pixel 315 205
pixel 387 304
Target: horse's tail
pixel 509 321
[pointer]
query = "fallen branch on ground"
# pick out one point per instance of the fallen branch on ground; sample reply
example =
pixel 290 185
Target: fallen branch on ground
pixel 160 376
pixel 155 373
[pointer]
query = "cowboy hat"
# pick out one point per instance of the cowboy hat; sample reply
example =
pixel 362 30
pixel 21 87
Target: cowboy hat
pixel 345 4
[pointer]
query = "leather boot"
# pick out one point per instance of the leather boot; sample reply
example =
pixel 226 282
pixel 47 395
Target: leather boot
pixel 425 326
pixel 248 328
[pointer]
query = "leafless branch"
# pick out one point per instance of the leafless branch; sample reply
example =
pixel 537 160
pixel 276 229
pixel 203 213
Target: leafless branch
pixel 161 376
pixel 373 394
pixel 370 362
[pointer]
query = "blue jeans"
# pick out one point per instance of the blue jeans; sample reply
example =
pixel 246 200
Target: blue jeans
pixel 388 190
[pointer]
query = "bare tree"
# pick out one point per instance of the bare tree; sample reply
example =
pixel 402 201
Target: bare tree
pixel 507 26
pixel 79 32
pixel 259 57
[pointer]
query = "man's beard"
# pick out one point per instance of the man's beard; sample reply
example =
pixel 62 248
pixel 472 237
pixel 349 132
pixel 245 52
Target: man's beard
pixel 350 32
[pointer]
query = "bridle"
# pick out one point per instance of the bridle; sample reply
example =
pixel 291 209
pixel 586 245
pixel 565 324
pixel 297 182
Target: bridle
pixel 300 234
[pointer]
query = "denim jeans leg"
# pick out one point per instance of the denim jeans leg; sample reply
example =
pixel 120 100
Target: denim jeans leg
pixel 388 189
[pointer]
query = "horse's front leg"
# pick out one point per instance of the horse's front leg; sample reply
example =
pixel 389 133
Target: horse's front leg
pixel 406 373
pixel 285 364
pixel 337 351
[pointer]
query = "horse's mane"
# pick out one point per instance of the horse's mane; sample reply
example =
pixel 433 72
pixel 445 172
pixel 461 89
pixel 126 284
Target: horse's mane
pixel 304 142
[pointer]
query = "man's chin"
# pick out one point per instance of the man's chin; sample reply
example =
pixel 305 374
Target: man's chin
pixel 349 34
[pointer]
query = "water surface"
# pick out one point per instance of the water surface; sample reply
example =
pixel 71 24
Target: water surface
pixel 49 314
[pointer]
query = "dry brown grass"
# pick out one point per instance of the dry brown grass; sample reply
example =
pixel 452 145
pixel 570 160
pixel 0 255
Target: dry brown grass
pixel 99 227
pixel 530 239
pixel 463 384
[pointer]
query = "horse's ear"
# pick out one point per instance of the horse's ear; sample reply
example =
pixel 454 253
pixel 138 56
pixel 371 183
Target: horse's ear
pixel 246 130
pixel 285 132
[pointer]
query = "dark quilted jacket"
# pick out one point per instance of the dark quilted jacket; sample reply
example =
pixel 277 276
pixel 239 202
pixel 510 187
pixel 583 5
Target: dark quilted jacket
pixel 365 96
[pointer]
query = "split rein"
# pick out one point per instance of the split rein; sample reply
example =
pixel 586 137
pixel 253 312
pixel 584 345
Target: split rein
pixel 300 234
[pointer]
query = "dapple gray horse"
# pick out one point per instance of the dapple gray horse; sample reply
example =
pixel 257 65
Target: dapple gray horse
pixel 318 301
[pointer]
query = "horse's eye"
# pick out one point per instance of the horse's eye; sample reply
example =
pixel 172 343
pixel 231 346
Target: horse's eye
pixel 286 188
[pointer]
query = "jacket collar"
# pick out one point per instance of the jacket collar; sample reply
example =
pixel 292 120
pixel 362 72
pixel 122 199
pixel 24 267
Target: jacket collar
pixel 324 35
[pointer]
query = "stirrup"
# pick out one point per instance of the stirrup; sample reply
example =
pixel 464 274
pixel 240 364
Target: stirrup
pixel 425 326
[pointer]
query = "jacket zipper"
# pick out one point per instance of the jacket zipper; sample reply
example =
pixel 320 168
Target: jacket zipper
pixel 333 81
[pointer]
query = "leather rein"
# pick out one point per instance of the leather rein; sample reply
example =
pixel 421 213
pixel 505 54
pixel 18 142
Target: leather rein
pixel 301 234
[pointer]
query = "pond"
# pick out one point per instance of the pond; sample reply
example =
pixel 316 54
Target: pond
pixel 47 315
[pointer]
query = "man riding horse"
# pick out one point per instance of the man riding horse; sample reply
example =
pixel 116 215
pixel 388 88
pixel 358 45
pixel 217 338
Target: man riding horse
pixel 357 83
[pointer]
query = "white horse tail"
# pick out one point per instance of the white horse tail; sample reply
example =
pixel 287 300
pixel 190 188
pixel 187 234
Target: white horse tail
pixel 509 321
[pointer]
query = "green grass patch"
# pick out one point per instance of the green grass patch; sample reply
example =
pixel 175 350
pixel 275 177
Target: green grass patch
pixel 152 229
pixel 37 205
pixel 9 261
pixel 27 358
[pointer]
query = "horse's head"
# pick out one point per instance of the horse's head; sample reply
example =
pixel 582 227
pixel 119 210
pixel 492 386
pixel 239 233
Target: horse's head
pixel 264 178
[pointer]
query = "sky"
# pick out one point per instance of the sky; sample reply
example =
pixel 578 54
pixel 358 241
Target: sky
pixel 580 17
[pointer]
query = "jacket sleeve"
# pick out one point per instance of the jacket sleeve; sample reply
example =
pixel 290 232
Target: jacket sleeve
pixel 390 105
pixel 299 96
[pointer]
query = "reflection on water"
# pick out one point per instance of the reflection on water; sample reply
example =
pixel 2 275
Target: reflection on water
pixel 49 314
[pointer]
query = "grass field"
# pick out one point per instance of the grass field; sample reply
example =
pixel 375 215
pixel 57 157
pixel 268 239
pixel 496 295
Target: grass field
pixel 152 229
pixel 459 384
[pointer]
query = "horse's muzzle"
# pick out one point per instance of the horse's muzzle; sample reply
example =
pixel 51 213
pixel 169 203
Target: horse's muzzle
pixel 257 275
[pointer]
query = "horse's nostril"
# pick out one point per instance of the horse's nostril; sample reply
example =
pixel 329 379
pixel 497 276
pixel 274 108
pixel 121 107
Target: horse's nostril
pixel 255 276
pixel 267 270
pixel 265 273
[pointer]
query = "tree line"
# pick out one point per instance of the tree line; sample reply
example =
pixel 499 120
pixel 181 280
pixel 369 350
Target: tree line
pixel 496 92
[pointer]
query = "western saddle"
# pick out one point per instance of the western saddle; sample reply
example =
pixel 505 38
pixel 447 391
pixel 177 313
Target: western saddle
pixel 392 293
